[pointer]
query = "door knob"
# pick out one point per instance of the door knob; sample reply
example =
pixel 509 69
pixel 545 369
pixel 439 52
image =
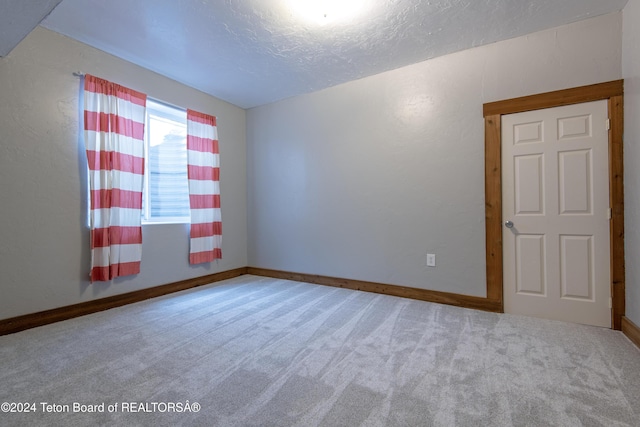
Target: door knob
pixel 509 224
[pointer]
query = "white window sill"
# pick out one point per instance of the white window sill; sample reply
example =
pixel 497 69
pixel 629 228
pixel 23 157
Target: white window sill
pixel 167 221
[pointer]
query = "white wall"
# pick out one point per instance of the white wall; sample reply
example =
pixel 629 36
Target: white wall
pixel 363 179
pixel 631 73
pixel 44 240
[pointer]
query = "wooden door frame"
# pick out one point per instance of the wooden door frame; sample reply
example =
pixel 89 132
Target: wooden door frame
pixel 493 111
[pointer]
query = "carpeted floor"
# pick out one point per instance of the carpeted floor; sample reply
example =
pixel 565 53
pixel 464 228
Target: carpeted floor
pixel 263 352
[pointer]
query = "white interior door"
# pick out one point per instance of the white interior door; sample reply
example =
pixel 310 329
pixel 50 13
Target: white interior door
pixel 555 193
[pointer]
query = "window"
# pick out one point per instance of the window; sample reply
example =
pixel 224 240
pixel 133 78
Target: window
pixel 142 150
pixel 166 188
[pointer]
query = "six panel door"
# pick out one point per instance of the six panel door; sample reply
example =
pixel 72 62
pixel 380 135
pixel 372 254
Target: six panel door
pixel 556 196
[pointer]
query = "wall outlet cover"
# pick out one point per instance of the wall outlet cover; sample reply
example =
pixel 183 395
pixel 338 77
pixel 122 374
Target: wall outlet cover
pixel 431 260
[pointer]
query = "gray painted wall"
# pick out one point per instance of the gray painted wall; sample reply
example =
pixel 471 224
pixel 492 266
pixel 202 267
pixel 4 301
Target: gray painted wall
pixel 631 73
pixel 363 179
pixel 44 250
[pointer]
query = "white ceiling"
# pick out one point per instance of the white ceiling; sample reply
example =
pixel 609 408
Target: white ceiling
pixel 253 52
pixel 18 18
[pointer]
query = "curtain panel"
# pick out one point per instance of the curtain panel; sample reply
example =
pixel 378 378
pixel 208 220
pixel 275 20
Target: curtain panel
pixel 114 140
pixel 203 159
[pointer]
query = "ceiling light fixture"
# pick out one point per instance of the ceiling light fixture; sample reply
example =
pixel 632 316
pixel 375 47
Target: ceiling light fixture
pixel 326 11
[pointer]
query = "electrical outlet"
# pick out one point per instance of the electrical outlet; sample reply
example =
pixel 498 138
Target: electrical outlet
pixel 431 260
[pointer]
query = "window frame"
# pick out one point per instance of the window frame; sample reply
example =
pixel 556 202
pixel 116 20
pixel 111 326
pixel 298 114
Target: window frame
pixel 176 114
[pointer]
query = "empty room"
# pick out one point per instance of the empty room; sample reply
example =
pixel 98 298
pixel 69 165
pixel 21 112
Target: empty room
pixel 320 213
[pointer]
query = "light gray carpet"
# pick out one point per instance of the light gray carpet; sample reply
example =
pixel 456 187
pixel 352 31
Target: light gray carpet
pixel 263 352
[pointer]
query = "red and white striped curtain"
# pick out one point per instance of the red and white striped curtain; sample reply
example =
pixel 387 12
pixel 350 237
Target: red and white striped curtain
pixel 114 140
pixel 203 159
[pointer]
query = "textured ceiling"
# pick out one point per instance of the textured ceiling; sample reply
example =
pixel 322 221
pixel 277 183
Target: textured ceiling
pixel 253 52
pixel 18 18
